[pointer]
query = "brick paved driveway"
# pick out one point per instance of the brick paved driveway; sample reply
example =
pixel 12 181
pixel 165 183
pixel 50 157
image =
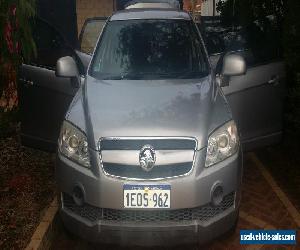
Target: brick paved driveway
pixel 261 208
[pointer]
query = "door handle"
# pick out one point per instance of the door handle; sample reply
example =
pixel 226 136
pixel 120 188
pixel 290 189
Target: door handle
pixel 274 80
pixel 27 83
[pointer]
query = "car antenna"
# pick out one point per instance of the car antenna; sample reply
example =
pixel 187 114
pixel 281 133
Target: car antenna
pixel 233 13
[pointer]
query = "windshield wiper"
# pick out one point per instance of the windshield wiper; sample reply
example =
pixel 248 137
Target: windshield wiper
pixel 151 75
pixel 191 74
pixel 125 76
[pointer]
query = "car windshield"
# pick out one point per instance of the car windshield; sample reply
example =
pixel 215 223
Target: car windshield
pixel 149 49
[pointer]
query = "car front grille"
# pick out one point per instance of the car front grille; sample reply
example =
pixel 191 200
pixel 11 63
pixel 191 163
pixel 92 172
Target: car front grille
pixel 136 172
pixel 202 213
pixel 127 170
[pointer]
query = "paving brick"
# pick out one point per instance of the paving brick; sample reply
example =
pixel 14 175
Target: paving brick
pixel 48 217
pixel 40 231
pixel 34 245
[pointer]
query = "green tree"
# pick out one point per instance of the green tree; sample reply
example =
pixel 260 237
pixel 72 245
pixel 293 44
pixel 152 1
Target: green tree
pixel 291 38
pixel 291 41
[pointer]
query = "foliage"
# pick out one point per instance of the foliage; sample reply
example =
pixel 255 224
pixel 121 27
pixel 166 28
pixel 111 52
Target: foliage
pixel 8 123
pixel 16 43
pixel 291 39
pixel 247 11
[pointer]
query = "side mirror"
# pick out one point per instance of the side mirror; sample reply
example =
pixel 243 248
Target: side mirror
pixel 66 67
pixel 233 65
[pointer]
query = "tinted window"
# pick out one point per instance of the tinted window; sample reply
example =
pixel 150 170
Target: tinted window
pixel 264 42
pixel 50 45
pixel 214 43
pixel 90 34
pixel 149 49
pixel 259 44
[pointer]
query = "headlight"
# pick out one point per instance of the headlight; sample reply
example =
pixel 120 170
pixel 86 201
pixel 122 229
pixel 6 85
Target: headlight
pixel 222 143
pixel 73 144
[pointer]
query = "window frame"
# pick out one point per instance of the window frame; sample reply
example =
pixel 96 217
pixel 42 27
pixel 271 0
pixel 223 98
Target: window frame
pixel 66 44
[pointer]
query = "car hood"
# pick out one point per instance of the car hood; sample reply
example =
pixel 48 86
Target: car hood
pixel 142 108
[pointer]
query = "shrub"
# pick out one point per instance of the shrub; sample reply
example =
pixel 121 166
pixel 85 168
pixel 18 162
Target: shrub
pixel 16 43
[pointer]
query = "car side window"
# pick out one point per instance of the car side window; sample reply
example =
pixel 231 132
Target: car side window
pixel 214 44
pixel 261 45
pixel 90 33
pixel 258 43
pixel 264 47
pixel 50 45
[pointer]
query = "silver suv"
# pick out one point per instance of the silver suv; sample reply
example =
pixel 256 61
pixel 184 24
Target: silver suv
pixel 150 149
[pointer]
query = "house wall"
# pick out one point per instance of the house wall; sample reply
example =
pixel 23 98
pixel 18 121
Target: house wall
pixel 205 8
pixel 188 6
pixel 92 8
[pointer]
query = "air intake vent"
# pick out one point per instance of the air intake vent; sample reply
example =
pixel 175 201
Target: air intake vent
pixel 203 213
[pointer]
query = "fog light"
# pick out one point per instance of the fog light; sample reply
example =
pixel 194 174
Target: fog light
pixel 78 196
pixel 217 195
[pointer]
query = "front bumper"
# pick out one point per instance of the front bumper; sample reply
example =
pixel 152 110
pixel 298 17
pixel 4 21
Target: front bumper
pixel 150 234
pixel 187 192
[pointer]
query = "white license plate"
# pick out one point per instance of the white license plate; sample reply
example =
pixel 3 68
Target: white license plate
pixel 147 196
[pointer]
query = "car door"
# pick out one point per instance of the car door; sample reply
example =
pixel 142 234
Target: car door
pixel 44 98
pixel 256 99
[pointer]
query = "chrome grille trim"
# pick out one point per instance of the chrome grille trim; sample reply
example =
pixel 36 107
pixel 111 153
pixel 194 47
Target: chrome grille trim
pixel 136 143
pixel 131 157
pixel 202 213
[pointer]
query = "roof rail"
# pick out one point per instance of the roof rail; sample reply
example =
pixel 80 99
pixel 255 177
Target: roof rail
pixel 153 4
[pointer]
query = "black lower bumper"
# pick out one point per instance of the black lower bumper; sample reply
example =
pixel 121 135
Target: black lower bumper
pixel 150 234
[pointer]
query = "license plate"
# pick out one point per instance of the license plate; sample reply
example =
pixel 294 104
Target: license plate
pixel 147 196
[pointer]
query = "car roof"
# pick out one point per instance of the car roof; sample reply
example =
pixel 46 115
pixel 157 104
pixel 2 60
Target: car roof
pixel 173 4
pixel 149 5
pixel 131 14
